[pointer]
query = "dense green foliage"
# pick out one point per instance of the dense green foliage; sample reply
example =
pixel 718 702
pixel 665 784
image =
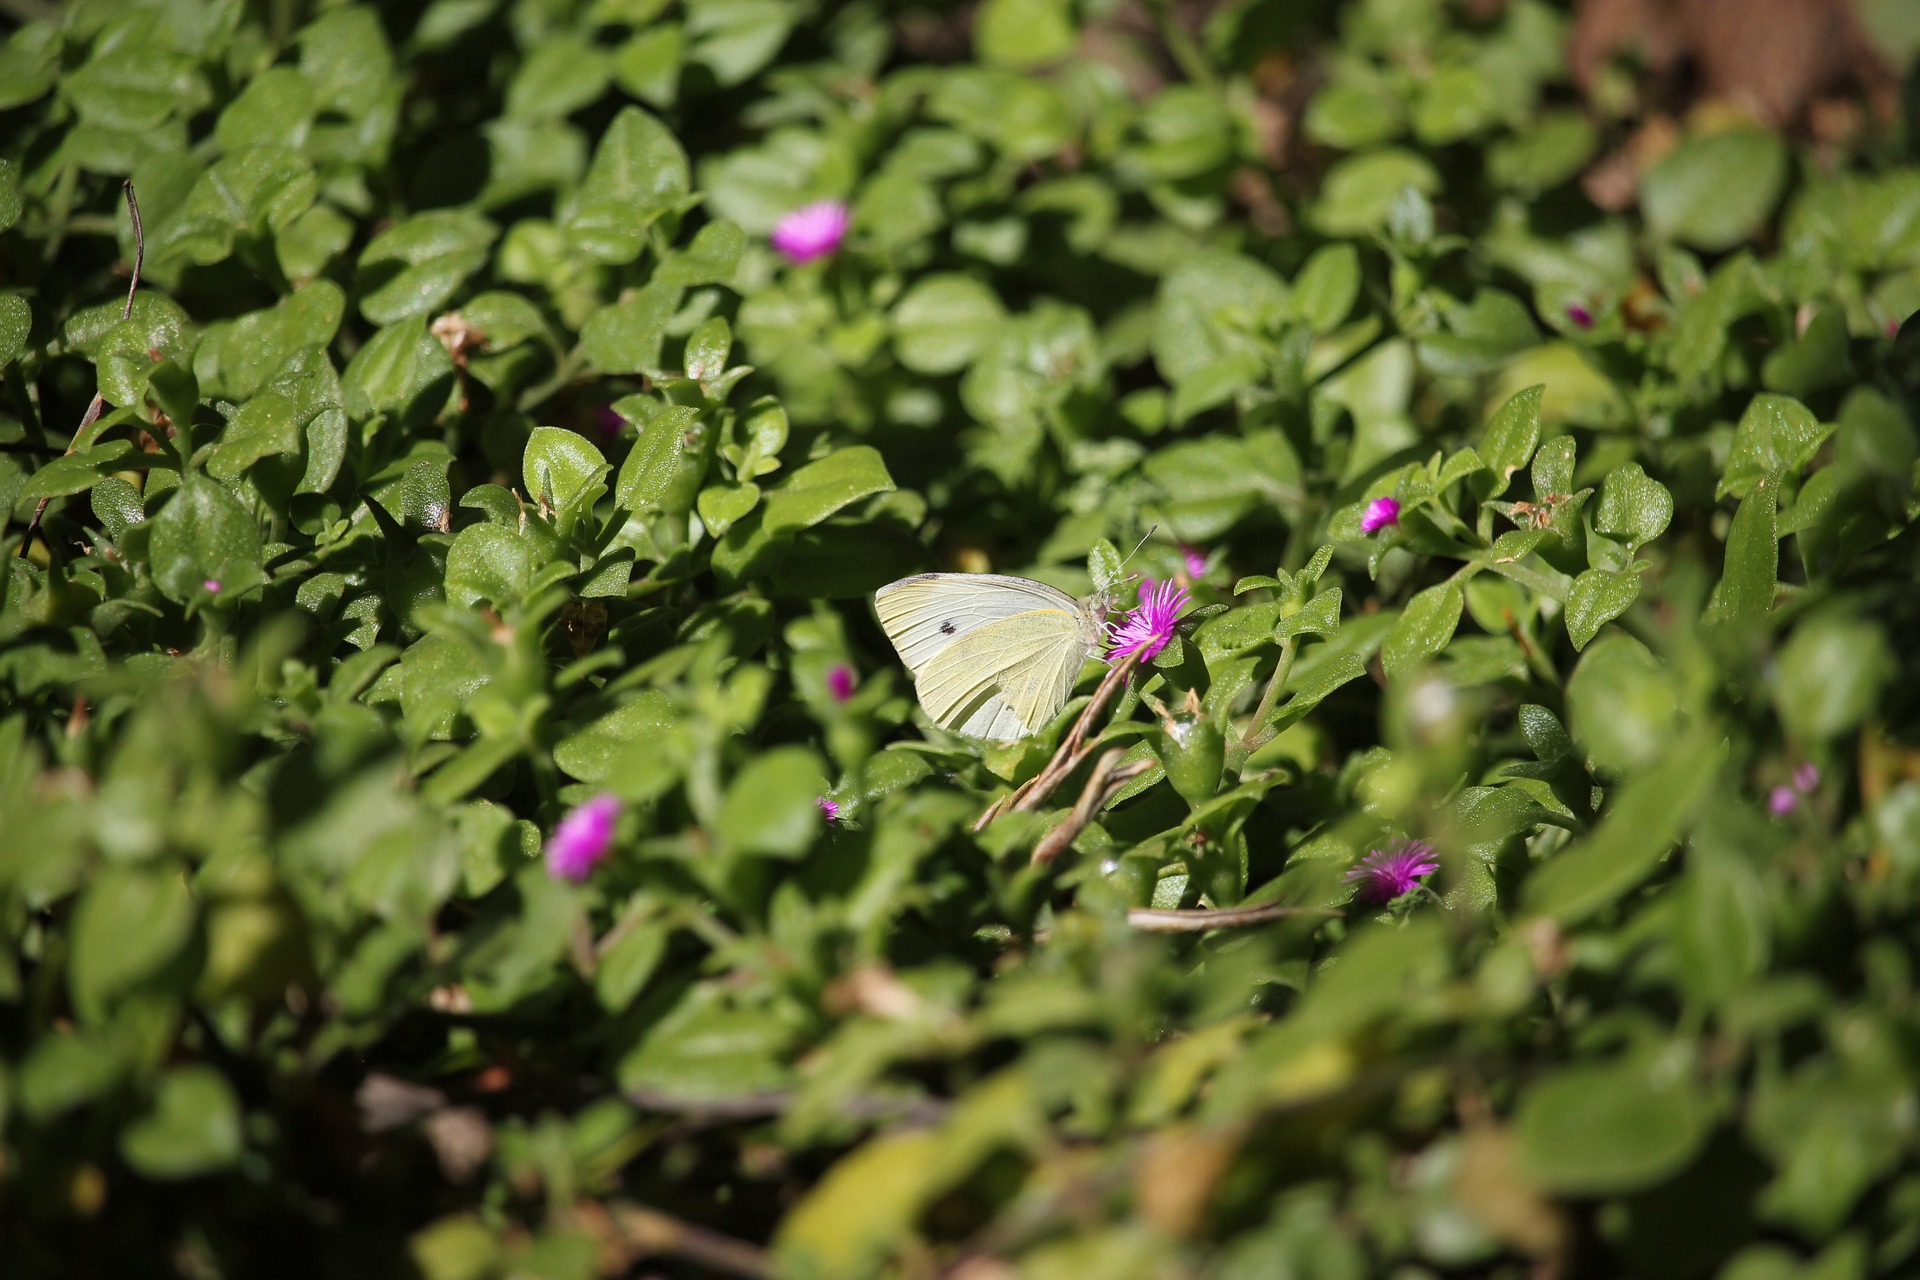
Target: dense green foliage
pixel 467 453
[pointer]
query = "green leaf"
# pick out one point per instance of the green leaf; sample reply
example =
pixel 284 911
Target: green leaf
pixel 414 267
pixel 266 425
pixel 400 369
pixel 1622 703
pixel 563 467
pixel 1454 103
pixel 203 535
pixel 1511 437
pixel 1023 33
pixel 703 1049
pixel 626 336
pixel 712 258
pixel 274 110
pixel 648 65
pixel 561 74
pixel 1357 193
pixel 193 1127
pixel 16 323
pixel 237 358
pixel 819 489
pixel 489 562
pixel 1597 598
pixel 1715 191
pixel 1603 1128
pixel 1776 433
pixel 1643 820
pixel 1634 507
pixel 771 807
pixel 735 38
pixel 668 463
pixel 1553 469
pixel 1327 287
pixel 75 472
pixel 1753 554
pixel 1320 616
pixel 943 322
pixel 1830 675
pixel 639 171
pixel 1423 627
pixel 131 923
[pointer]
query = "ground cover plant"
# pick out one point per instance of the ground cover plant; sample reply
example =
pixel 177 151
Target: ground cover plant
pixel 460 816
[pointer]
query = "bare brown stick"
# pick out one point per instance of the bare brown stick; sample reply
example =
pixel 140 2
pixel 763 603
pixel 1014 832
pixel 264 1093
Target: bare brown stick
pixel 1103 784
pixel 745 1107
pixel 1072 751
pixel 126 313
pixel 642 1232
pixel 1149 920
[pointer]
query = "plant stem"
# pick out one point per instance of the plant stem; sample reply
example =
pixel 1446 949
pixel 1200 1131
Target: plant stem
pixel 1256 735
pixel 1181 47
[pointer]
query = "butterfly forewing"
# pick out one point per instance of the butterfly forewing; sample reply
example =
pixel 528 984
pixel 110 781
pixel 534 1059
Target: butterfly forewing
pixel 929 611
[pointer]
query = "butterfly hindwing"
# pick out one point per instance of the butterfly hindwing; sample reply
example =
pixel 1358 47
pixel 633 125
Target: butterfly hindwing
pixel 1004 680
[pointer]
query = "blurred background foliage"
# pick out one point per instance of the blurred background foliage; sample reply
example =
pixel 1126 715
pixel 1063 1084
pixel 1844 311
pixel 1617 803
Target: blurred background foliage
pixel 466 452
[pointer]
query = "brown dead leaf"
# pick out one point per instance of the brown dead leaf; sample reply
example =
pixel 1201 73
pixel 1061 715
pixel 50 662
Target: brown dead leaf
pixel 1773 58
pixel 1175 1178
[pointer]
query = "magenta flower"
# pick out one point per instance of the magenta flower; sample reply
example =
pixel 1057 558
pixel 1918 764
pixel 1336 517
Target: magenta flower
pixel 830 809
pixel 1380 513
pixel 1893 327
pixel 1784 799
pixel 1386 874
pixel 1581 317
pixel 582 838
pixel 811 231
pixel 840 682
pixel 609 422
pixel 1195 561
pixel 211 586
pixel 1145 630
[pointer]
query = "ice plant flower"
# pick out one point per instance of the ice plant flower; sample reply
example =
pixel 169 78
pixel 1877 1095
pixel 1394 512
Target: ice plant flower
pixel 582 838
pixel 211 586
pixel 1784 799
pixel 840 682
pixel 811 231
pixel 830 809
pixel 1386 874
pixel 1581 317
pixel 1145 630
pixel 1380 513
pixel 1195 561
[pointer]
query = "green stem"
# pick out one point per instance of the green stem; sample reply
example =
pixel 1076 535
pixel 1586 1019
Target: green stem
pixel 1257 734
pixel 1182 48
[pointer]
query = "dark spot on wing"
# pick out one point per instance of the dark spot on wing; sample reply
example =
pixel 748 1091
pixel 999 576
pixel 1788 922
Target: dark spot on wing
pixel 947 628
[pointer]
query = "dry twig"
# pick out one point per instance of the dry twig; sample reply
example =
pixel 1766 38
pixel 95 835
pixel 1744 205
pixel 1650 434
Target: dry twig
pixel 1149 920
pixel 1072 752
pixel 1103 784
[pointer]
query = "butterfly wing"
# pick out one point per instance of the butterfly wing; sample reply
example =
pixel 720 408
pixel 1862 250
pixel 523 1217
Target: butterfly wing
pixel 992 656
pixel 1006 679
pixel 927 612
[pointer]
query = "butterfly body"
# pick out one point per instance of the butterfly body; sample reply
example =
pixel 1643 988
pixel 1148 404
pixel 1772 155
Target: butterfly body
pixel 992 656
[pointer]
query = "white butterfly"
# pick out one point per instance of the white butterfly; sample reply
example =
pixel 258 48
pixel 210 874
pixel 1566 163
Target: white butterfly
pixel 991 656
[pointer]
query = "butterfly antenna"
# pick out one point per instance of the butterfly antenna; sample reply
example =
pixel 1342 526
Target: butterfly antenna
pixel 1136 546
